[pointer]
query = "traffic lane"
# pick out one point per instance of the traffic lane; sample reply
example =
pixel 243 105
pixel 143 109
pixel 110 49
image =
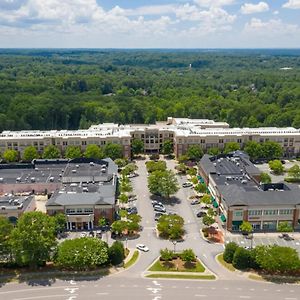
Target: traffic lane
pixel 137 288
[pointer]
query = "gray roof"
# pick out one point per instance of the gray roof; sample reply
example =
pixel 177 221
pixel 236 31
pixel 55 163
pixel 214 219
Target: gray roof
pixel 207 165
pixel 234 195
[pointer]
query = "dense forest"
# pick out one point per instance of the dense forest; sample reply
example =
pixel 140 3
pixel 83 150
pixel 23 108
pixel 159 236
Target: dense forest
pixel 70 89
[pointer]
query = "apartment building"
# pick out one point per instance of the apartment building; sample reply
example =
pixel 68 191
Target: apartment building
pixel 233 182
pixel 184 132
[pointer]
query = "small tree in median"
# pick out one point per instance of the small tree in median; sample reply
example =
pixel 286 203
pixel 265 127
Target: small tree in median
pixel 246 227
pixel 265 178
pixel 116 253
pixel 276 166
pixel 166 254
pixel 242 259
pixel 294 172
pixel 285 227
pixel 206 199
pixel 188 255
pixel 207 220
pixel 229 251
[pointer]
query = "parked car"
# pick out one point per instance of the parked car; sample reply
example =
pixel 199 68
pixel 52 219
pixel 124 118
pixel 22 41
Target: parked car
pixel 195 202
pixel 82 234
pixel 154 202
pixel 286 237
pixel 132 175
pixel 91 233
pixel 132 210
pixel 159 208
pixel 201 214
pixel 142 247
pixel 158 215
pixel 187 184
pixel 132 198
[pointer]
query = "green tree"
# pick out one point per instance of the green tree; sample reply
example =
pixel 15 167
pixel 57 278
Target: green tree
pixel 211 212
pixel 231 147
pixel 93 151
pixel 200 188
pixel 194 152
pixel 73 152
pixel 116 253
pixel 183 158
pixel 123 198
pixel 246 227
pixel 188 255
pixel 276 166
pixel 170 226
pixel 294 171
pixel 166 254
pixel 60 222
pixel 254 150
pixel 30 153
pixel 119 226
pixel 33 239
pixel 265 178
pixel 137 147
pixel 82 254
pixel 167 147
pixel 192 171
pixel 102 222
pixel 229 251
pixel 208 220
pixel 5 231
pixel 129 169
pixel 51 152
pixel 242 259
pixel 276 259
pixel 156 166
pixel 113 151
pixel 284 227
pixel 214 151
pixel 271 150
pixel 121 162
pixel 10 155
pixel 163 182
pixel 181 168
pixel 206 199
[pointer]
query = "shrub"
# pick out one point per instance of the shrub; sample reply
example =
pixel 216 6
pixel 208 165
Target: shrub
pixel 166 254
pixel 242 258
pixel 82 253
pixel 116 253
pixel 188 255
pixel 229 252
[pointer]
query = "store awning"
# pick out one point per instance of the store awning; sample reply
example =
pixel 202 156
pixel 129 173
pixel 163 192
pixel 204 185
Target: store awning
pixel 200 179
pixel 223 218
pixel 215 204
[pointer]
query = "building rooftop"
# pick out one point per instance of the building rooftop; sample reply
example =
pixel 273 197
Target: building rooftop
pixel 236 178
pixel 10 202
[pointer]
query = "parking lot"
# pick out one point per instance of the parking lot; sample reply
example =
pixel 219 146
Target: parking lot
pixel 263 239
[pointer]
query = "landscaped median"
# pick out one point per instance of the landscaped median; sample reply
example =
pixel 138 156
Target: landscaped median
pixel 182 265
pixel 131 260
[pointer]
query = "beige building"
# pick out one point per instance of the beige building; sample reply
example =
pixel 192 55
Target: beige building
pixel 183 132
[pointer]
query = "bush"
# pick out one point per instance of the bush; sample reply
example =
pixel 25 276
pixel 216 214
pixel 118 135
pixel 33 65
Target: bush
pixel 188 255
pixel 82 253
pixel 116 253
pixel 229 252
pixel 166 254
pixel 292 180
pixel 242 259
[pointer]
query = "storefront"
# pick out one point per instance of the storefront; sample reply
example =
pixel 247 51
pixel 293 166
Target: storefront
pixel 80 222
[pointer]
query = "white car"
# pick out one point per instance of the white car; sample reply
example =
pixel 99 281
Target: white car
pixel 82 234
pixel 142 247
pixel 187 184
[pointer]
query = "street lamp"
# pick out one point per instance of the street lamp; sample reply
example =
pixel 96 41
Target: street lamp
pixel 174 243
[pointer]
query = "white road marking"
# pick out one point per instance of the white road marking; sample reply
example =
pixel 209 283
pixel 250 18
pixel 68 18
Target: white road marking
pixel 212 288
pixel 156 298
pixel 200 295
pixel 40 297
pixel 245 297
pixel 102 294
pixel 109 285
pixel 135 286
pixel 36 289
pixel 155 282
pixel 290 298
pixel 204 255
pixel 174 287
pixel 73 282
pixel 252 289
pixel 154 290
pixel 71 290
pixel 187 287
pixel 278 290
pixel 122 285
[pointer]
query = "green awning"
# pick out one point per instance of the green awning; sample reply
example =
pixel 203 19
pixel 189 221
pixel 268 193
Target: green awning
pixel 215 204
pixel 200 179
pixel 237 223
pixel 223 218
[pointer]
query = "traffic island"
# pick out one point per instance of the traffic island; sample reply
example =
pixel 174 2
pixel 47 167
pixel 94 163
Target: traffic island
pixel 177 268
pixel 131 259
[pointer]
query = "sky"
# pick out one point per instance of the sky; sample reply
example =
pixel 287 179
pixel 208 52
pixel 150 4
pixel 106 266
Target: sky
pixel 149 24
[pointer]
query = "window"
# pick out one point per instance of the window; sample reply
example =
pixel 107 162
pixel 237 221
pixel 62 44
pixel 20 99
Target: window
pixel 221 141
pixel 254 213
pixel 270 212
pixel 285 211
pixel 70 211
pixel 238 213
pixel 79 210
pixel 202 141
pixel 239 141
pixel 83 143
pixel 88 210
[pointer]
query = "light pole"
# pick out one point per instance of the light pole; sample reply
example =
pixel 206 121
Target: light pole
pixel 174 243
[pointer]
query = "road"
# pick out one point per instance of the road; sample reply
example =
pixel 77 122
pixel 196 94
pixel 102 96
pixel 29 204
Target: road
pixel 138 288
pixel 130 284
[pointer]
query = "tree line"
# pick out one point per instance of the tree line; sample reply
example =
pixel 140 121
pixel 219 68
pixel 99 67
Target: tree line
pixel 63 89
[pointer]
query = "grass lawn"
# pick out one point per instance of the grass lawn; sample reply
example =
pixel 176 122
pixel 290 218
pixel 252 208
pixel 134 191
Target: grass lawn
pixel 132 260
pixel 182 276
pixel 224 263
pixel 177 265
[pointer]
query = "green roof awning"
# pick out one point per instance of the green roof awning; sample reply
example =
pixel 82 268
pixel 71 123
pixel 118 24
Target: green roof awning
pixel 215 204
pixel 200 179
pixel 223 218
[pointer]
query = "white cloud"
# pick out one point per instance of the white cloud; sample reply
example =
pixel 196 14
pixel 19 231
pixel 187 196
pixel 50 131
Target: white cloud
pixel 293 4
pixel 249 8
pixel 273 27
pixel 214 3
pixel 11 4
pixel 276 12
